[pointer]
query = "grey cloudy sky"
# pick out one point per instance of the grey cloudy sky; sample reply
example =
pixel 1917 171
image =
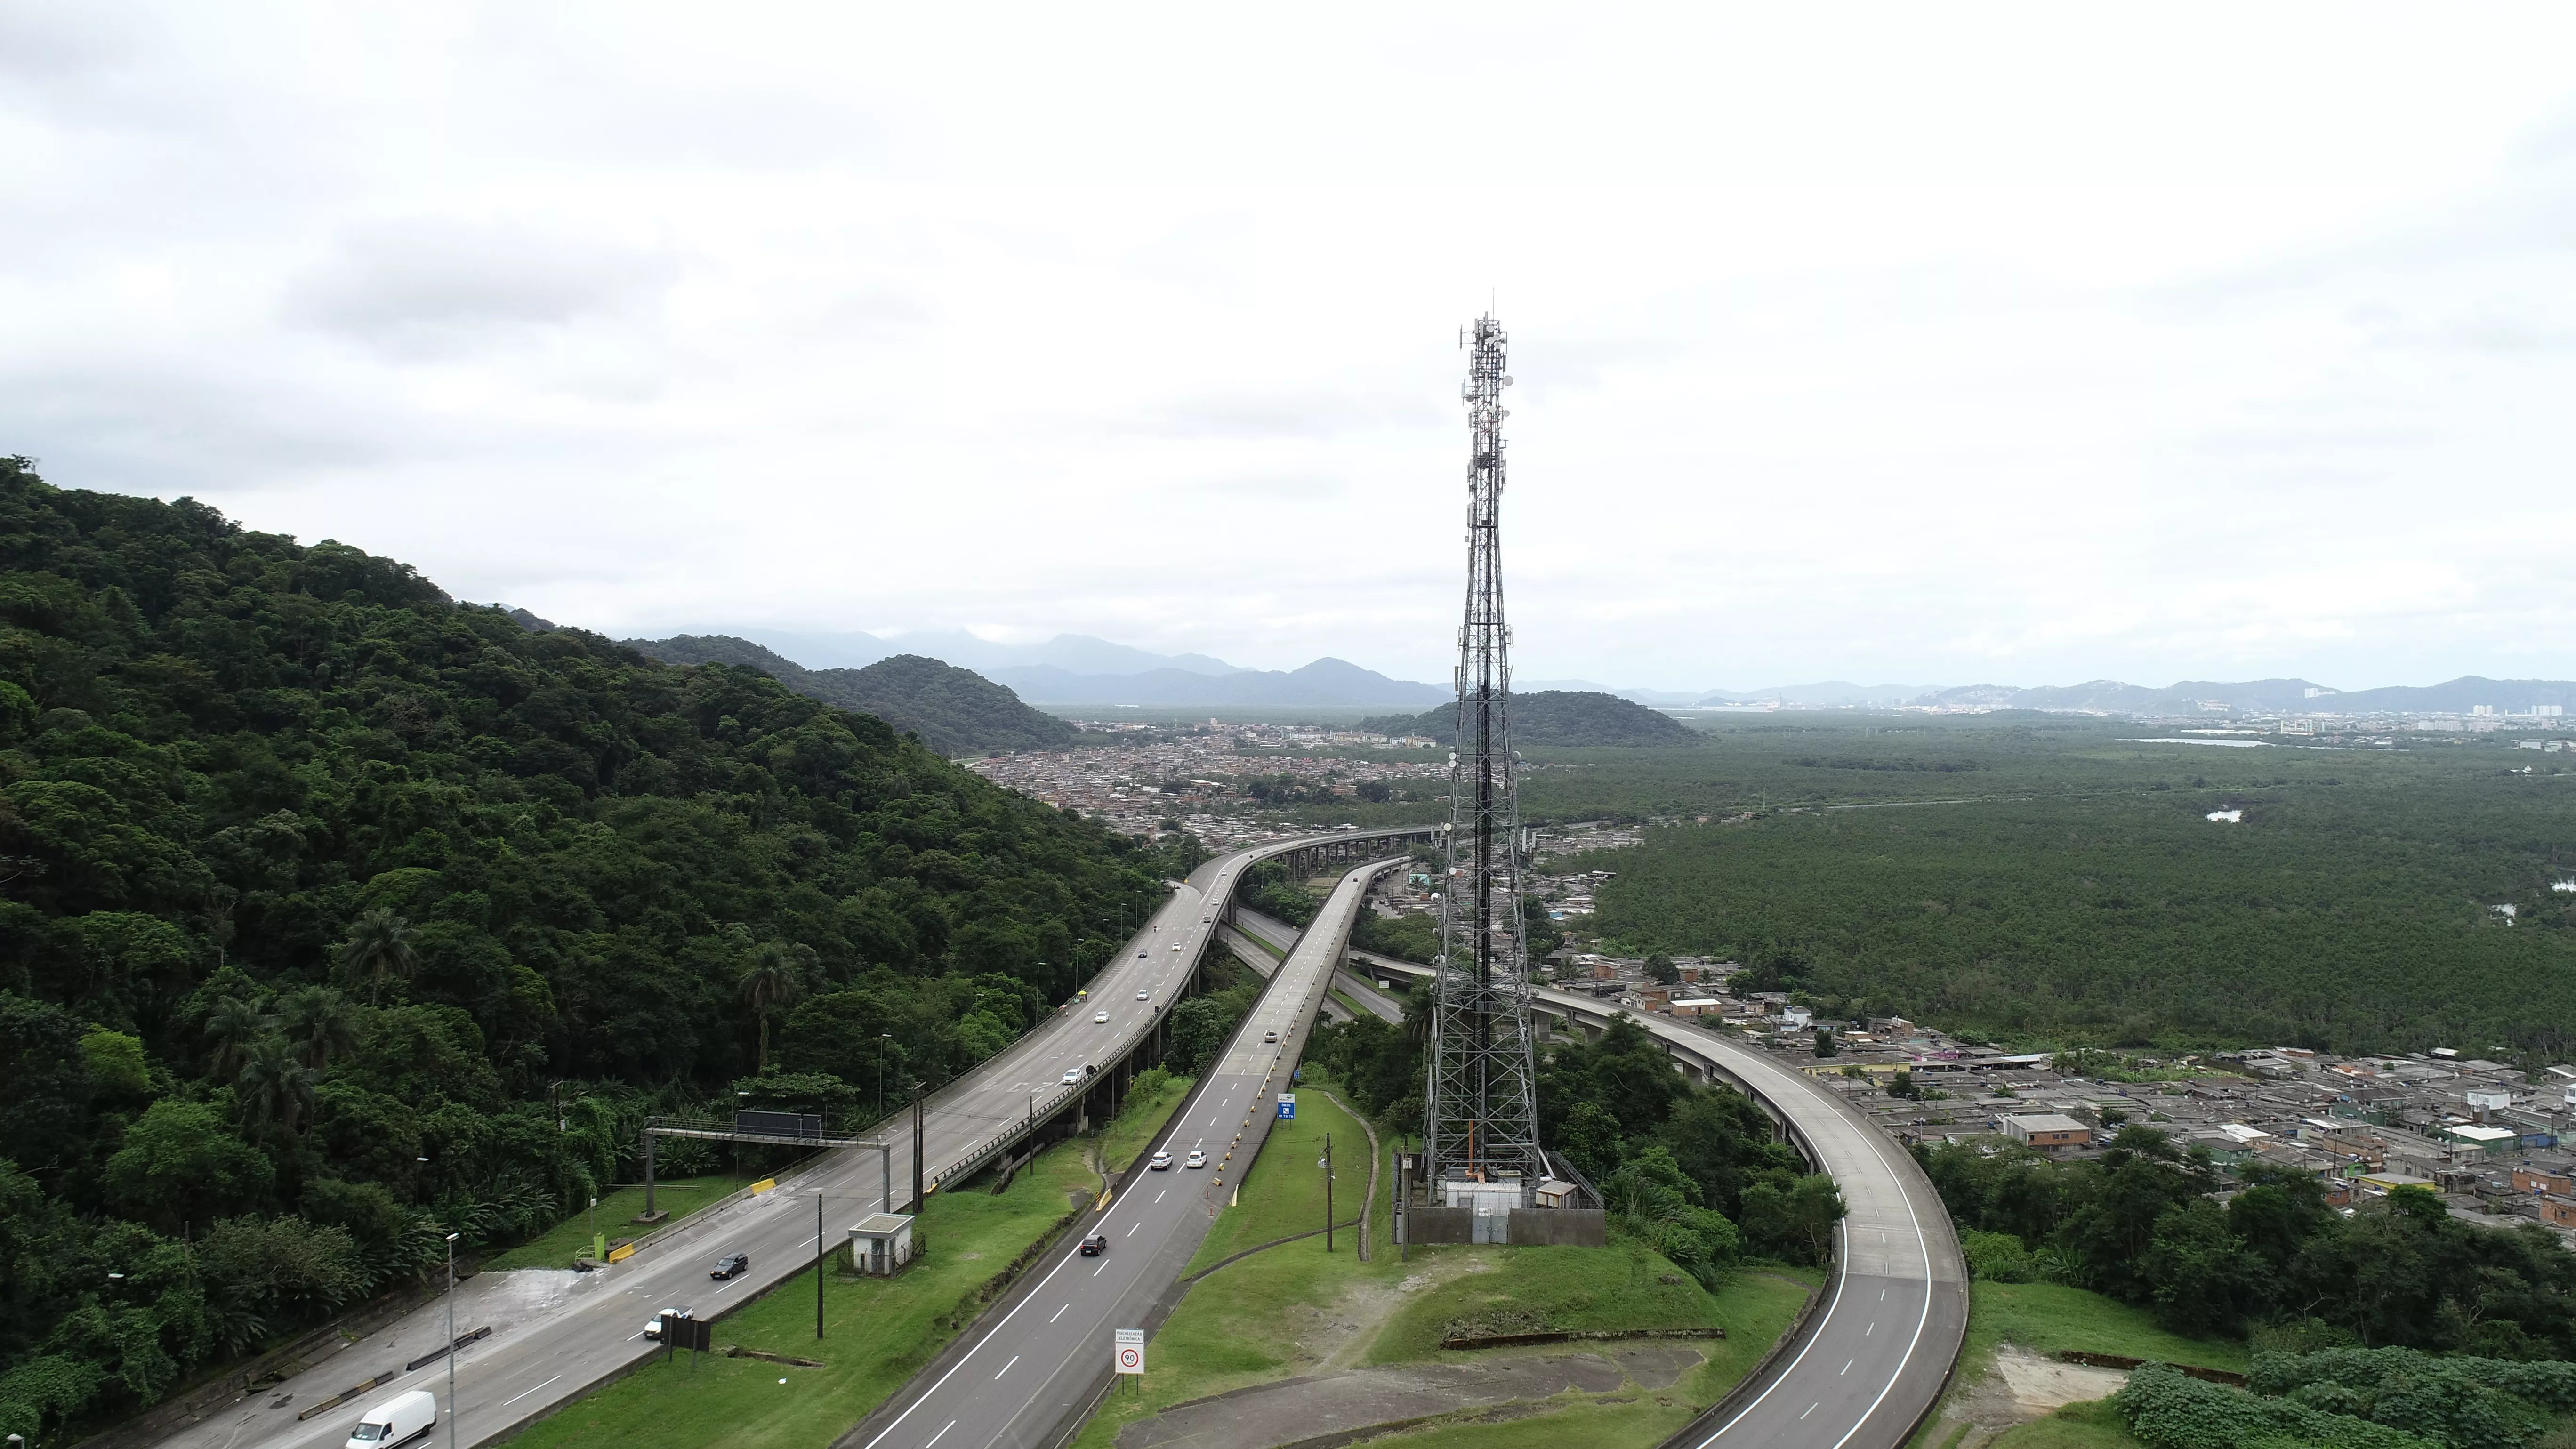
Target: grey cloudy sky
pixel 2023 344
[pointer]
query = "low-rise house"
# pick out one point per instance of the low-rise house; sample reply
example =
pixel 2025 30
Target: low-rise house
pixel 2053 1131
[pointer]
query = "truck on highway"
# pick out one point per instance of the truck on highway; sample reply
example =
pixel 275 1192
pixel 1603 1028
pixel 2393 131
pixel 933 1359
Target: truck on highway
pixel 397 1420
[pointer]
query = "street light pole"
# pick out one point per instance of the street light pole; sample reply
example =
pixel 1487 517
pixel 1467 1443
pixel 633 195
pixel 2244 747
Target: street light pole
pixel 1328 1195
pixel 451 1341
pixel 818 1267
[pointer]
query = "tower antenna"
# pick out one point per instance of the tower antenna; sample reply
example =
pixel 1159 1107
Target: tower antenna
pixel 1481 1109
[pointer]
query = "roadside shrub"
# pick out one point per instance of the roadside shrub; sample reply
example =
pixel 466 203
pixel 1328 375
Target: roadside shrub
pixel 1997 1257
pixel 2169 1409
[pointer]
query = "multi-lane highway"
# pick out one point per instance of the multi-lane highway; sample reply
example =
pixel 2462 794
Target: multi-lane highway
pixel 556 1335
pixel 1878 1351
pixel 1011 1384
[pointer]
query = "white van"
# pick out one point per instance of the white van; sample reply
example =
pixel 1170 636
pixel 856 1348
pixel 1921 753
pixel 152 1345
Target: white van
pixel 397 1420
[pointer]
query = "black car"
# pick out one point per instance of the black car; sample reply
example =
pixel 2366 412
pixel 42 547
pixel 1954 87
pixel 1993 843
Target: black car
pixel 1095 1245
pixel 729 1265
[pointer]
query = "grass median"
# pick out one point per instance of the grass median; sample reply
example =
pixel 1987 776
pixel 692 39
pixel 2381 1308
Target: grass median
pixel 877 1331
pixel 1296 1310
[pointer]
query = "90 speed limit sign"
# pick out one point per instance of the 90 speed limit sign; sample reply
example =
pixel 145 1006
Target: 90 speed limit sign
pixel 1129 1353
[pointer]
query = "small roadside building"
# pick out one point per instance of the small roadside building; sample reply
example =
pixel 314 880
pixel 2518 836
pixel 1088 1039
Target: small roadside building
pixel 2051 1131
pixel 881 1243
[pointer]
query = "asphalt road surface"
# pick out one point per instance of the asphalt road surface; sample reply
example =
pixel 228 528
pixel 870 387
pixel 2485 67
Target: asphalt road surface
pixel 1042 1360
pixel 554 1335
pixel 1880 1349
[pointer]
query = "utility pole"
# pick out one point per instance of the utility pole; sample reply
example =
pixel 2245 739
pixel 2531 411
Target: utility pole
pixel 1328 1192
pixel 818 1267
pixel 917 1183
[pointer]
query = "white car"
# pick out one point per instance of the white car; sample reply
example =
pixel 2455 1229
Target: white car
pixel 1162 1160
pixel 1071 1076
pixel 1140 953
pixel 1176 945
pixel 1100 1018
pixel 1196 1158
pixel 1144 996
pixel 653 1325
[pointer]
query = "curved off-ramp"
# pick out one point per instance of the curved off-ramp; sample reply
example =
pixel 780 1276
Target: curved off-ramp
pixel 1872 1359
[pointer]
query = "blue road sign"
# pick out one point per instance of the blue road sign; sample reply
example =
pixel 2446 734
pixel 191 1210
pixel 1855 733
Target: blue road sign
pixel 1287 1105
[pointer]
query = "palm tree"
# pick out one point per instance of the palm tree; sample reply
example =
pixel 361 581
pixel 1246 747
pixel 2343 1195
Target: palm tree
pixel 232 1027
pixel 772 977
pixel 276 1085
pixel 321 1024
pixel 379 946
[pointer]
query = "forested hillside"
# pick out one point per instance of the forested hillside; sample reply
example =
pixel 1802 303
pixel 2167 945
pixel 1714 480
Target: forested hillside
pixel 954 711
pixel 1558 718
pixel 316 887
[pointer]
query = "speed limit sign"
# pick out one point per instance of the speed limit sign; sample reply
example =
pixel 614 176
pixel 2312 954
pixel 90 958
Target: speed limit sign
pixel 1131 1350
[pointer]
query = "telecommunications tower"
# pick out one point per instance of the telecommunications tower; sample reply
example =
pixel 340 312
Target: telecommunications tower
pixel 1481 1117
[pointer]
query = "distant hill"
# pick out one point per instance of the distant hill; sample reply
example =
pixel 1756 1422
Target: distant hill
pixel 1324 682
pixel 1557 717
pixel 954 711
pixel 1078 653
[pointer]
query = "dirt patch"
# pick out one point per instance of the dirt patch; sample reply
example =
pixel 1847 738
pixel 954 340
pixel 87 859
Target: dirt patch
pixel 2019 1386
pixel 2039 1385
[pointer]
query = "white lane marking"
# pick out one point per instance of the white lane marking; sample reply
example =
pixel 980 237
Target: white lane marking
pixel 1866 1332
pixel 1158 1197
pixel 505 1403
pixel 1131 1232
pixel 1015 1358
pixel 1920 1320
pixel 1103 1268
pixel 970 1353
pixel 1847 1363
pixel 1059 1313
pixel 1842 1274
pixel 1811 1408
pixel 943 1430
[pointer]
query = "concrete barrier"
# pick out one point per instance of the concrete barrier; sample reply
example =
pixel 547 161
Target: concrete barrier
pixel 1439 1225
pixel 1560 1228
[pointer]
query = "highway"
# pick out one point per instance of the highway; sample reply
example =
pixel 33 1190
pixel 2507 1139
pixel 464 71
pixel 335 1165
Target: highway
pixel 554 1335
pixel 1879 1350
pixel 1014 1383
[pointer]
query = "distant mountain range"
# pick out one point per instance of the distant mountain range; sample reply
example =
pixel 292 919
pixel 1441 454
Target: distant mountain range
pixel 1073 653
pixel 1324 682
pixel 2111 696
pixel 954 711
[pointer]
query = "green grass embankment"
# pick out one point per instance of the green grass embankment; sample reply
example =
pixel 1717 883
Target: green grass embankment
pixel 1296 1310
pixel 2052 1318
pixel 2049 1318
pixel 2093 1425
pixel 877 1331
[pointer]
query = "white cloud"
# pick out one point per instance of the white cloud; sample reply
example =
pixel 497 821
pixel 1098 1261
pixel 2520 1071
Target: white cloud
pixel 1875 342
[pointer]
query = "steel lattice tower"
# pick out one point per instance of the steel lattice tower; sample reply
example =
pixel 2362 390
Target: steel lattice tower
pixel 1481 1117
